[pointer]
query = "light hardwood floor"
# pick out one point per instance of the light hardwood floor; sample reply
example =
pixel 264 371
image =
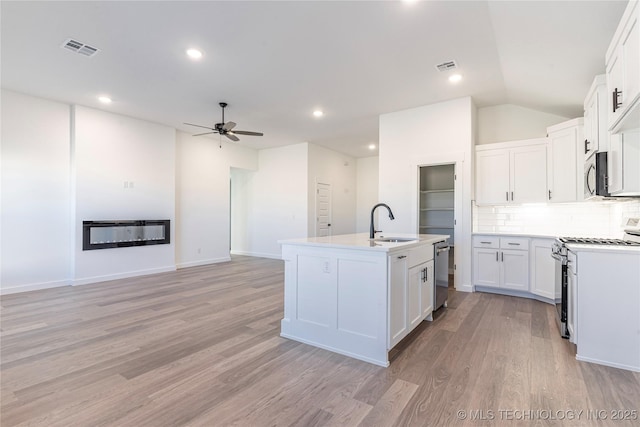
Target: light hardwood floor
pixel 201 347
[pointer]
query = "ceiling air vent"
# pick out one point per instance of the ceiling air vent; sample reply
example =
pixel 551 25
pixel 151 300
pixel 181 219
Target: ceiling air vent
pixel 79 47
pixel 446 66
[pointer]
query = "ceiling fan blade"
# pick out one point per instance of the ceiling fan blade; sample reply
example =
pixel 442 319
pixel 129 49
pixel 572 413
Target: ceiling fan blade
pixel 229 126
pixel 246 132
pixel 206 127
pixel 232 137
pixel 206 133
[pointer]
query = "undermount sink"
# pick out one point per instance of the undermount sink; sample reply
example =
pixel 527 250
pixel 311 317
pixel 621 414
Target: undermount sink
pixel 395 239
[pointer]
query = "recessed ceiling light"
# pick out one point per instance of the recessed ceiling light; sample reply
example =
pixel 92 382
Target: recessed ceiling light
pixel 194 53
pixel 455 78
pixel 372 146
pixel 318 113
pixel 104 99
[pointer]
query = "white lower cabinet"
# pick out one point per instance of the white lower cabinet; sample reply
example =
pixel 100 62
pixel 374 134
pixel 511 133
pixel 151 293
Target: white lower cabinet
pixel 486 267
pixel 427 291
pixel 414 309
pixel 572 306
pixel 514 265
pixel 410 291
pixel 501 262
pixel 542 268
pixel 398 297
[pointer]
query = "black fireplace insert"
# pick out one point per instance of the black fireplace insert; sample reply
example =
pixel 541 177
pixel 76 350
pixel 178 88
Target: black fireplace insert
pixel 123 233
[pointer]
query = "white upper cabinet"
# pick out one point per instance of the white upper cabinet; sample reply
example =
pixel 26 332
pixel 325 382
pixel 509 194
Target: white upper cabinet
pixel 565 161
pixel 596 132
pixel 511 172
pixel 623 163
pixel 623 72
pixel 492 177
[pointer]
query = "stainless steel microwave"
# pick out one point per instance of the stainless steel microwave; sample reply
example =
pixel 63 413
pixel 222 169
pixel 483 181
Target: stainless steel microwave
pixel 595 176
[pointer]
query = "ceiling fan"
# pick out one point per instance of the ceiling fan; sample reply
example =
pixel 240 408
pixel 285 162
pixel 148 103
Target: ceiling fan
pixel 225 129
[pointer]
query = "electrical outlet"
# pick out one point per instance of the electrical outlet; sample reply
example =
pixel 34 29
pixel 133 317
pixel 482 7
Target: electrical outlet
pixel 325 267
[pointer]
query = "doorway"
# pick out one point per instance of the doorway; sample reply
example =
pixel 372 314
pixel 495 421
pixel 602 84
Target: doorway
pixel 438 204
pixel 323 209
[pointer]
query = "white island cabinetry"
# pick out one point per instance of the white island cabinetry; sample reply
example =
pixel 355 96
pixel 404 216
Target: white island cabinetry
pixel 604 308
pixel 355 296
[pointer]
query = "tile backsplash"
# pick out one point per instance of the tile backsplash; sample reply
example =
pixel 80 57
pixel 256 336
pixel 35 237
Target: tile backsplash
pixel 584 219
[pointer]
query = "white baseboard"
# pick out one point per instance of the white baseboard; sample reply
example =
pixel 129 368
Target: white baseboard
pixel 34 287
pixel 125 275
pixel 633 368
pixel 257 254
pixel 464 288
pixel 512 293
pixel 202 262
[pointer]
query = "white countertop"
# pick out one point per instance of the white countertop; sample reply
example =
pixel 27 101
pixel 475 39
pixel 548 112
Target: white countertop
pixel 603 248
pixel 532 235
pixel 361 241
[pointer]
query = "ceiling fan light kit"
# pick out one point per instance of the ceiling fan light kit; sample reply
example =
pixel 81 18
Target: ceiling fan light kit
pixel 225 129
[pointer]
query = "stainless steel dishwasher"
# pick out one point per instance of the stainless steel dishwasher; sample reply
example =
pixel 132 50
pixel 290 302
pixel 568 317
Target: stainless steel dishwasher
pixel 441 288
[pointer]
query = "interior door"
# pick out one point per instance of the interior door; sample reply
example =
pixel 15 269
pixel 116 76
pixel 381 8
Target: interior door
pixel 323 209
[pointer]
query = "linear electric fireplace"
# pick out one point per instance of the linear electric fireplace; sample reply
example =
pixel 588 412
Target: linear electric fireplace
pixel 123 233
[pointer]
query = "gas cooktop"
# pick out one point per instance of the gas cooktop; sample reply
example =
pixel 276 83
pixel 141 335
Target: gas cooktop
pixel 597 241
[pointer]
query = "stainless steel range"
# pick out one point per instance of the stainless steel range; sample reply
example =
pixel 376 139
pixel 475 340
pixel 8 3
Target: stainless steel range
pixel 559 252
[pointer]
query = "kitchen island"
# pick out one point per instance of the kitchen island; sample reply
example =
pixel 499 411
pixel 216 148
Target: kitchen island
pixel 356 296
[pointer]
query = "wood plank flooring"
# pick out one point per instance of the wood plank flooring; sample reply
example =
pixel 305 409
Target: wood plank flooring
pixel 201 347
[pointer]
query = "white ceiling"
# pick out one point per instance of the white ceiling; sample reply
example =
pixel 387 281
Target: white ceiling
pixel 275 62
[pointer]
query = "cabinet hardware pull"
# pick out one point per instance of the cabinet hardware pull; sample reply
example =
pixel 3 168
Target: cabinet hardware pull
pixel 512 196
pixel 549 194
pixel 586 146
pixel 496 256
pixel 616 99
pixel 402 256
pixel 486 243
pixel 507 196
pixel 502 255
pixel 514 244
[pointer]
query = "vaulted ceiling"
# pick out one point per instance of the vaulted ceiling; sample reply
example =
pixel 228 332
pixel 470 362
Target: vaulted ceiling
pixel 275 62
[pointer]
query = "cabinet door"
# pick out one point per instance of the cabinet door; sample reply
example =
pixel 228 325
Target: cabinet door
pixel 614 163
pixel 542 268
pixel 492 177
pixel 528 174
pixel 515 269
pixel 427 290
pixel 572 313
pixel 486 267
pixel 615 83
pixel 631 56
pixel 398 327
pixel 626 163
pixel 591 141
pixel 563 166
pixel 414 312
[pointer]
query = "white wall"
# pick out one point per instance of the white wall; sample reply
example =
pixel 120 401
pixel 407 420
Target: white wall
pixel 109 150
pixel 275 206
pixel 203 173
pixel 433 134
pixel 508 122
pixel 339 170
pixel 367 191
pixel 36 196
